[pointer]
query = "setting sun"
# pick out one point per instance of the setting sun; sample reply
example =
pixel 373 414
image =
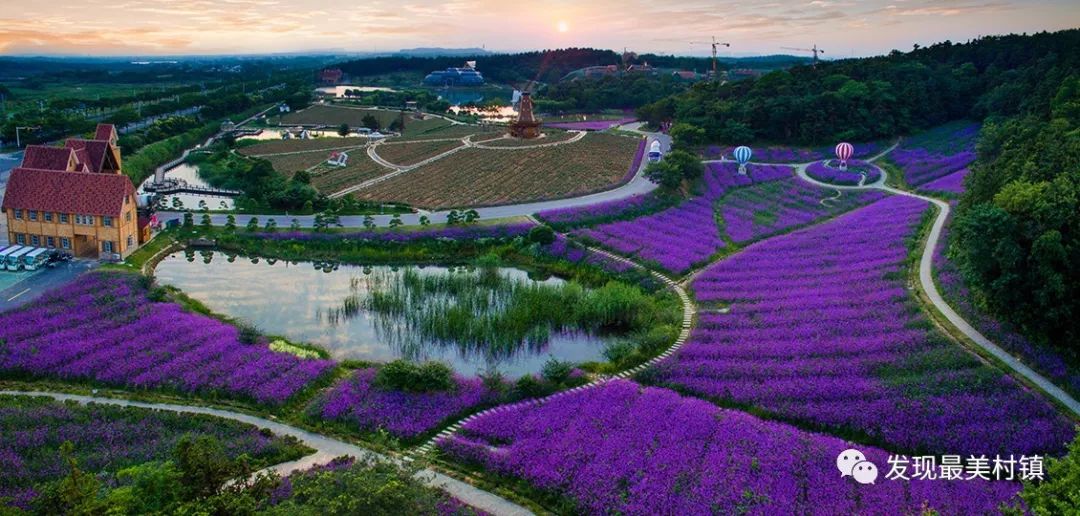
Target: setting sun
pixel 563 26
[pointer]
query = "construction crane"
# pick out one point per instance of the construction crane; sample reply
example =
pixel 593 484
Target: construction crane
pixel 815 50
pixel 714 44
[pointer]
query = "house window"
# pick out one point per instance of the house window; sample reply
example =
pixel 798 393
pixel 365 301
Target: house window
pixel 131 241
pixel 33 214
pixel 86 220
pixel 65 243
pixel 20 239
pixel 127 216
pixel 35 240
pixel 18 214
pixel 50 241
pixel 48 216
pixel 64 218
pixel 107 246
pixel 106 221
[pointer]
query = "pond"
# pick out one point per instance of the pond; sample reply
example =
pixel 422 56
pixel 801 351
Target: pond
pixel 310 302
pixel 339 91
pixel 190 174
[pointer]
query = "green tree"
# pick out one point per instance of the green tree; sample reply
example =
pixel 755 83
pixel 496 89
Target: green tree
pixel 76 493
pixel 395 221
pixel 370 122
pixel 687 135
pixel 1058 493
pixel 369 222
pixel 542 235
pixel 204 221
pixel 343 129
pixel 252 225
pixel 204 467
pixel 471 216
pixel 189 220
pixel 453 218
pixel 424 220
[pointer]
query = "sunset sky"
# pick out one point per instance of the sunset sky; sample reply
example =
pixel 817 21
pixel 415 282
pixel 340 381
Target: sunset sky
pixel 843 28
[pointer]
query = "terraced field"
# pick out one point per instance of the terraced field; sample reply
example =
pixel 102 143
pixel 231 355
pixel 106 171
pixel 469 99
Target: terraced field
pixel 478 132
pixel 484 177
pixel 550 137
pixel 411 153
pixel 290 164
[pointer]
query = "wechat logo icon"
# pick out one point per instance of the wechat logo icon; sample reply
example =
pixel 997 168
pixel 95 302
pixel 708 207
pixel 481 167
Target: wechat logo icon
pixel 853 463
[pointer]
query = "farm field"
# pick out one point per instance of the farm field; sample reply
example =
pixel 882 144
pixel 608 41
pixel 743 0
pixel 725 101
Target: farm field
pixel 32 430
pixel 457 131
pixel 330 179
pixel 550 137
pixel 336 115
pixel 411 153
pixel 289 164
pixel 482 177
pixel 297 145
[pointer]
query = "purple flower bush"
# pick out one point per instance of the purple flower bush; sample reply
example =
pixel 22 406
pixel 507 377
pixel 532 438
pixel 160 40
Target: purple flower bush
pixel 460 232
pixel 822 330
pixel 1041 358
pixel 357 400
pixel 950 184
pixel 857 173
pixel 639 155
pixel 766 209
pixel 621 449
pixel 107 439
pixel 678 238
pixel 104 328
pixel 778 154
pixel 937 152
pixel 607 211
pixel 590 125
pixel 572 252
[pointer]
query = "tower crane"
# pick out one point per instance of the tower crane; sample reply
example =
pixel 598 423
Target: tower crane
pixel 815 50
pixel 714 44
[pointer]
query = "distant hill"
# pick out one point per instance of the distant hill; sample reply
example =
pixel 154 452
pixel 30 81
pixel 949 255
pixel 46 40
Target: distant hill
pixel 442 52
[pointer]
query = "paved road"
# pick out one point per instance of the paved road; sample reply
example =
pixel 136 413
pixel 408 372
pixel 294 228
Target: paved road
pixel 638 185
pixel 326 448
pixel 32 285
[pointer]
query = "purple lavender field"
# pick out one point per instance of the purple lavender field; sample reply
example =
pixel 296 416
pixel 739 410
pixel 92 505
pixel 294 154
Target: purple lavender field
pixel 501 231
pixel 103 328
pixel 822 330
pixel 357 401
pixel 766 209
pixel 778 154
pixel 572 252
pixel 678 238
pixel 109 438
pixel 936 153
pixel 950 184
pixel 622 449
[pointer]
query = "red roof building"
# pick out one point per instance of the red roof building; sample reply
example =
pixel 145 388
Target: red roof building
pixel 73 198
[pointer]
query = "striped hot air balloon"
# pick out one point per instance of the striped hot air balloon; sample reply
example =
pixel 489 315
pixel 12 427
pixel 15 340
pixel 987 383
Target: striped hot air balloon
pixel 742 155
pixel 844 151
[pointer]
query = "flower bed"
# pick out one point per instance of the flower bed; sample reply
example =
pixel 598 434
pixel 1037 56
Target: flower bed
pixel 950 184
pixel 358 401
pixel 678 238
pixel 590 125
pixel 109 438
pixel 937 152
pixel 857 173
pixel 570 251
pixel 766 209
pixel 103 328
pixel 609 211
pixel 620 449
pixel 822 330
pixel 1041 358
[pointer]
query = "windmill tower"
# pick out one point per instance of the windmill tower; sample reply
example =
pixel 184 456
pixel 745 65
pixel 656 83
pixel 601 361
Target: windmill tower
pixel 527 125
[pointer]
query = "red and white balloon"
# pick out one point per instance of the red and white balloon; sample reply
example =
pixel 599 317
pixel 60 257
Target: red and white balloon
pixel 844 151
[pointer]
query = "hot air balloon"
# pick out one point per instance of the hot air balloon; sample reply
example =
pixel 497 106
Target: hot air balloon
pixel 742 156
pixel 844 150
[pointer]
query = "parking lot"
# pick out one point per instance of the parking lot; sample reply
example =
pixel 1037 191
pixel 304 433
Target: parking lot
pixel 19 288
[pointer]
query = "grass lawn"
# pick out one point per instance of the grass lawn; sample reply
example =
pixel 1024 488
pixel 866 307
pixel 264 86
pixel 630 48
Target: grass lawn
pixel 337 115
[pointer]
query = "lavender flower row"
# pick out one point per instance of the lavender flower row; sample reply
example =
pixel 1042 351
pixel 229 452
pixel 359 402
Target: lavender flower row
pixel 32 429
pixel 103 328
pixel 678 238
pixel 821 330
pixel 937 152
pixel 572 252
pixel 952 183
pixel 767 209
pixel 358 401
pixel 621 449
pixel 602 212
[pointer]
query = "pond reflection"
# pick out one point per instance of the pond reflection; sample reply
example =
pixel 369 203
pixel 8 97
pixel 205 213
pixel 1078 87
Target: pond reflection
pixel 308 301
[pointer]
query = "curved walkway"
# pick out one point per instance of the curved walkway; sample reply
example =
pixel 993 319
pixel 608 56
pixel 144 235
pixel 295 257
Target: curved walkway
pixel 926 280
pixel 326 448
pixel 688 318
